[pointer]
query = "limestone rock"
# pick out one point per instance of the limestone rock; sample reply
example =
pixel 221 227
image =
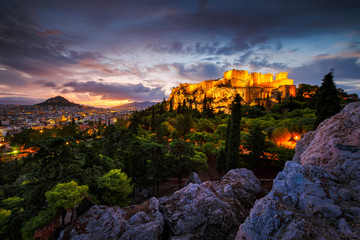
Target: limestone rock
pixel 335 141
pixel 193 178
pixel 221 92
pixel 102 222
pixel 211 210
pixel 317 194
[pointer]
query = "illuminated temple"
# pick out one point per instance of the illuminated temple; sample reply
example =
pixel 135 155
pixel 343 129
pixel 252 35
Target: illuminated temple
pixel 253 88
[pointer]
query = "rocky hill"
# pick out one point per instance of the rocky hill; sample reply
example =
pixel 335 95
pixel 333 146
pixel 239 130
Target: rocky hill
pixel 58 101
pixel 220 93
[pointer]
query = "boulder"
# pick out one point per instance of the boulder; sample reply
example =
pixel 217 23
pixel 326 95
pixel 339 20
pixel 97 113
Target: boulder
pixel 317 194
pixel 193 178
pixel 101 222
pixel 211 210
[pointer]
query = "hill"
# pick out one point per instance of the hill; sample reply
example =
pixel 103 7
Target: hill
pixel 58 101
pixel 135 105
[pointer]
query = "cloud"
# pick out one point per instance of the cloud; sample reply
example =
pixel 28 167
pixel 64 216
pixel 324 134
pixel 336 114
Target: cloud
pixel 199 71
pixel 264 63
pixel 115 91
pixel 19 100
pixel 49 32
pixel 314 72
pixel 48 84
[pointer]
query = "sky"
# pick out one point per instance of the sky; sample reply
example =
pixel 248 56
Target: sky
pixel 110 52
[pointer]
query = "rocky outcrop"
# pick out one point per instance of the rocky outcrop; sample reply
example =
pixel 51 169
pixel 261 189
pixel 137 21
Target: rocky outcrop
pixel 210 210
pixel 220 93
pixel 317 195
pixel 102 222
pixel 193 178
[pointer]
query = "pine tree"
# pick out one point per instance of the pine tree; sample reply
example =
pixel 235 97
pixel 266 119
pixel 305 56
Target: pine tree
pixel 233 138
pixel 255 142
pixel 327 99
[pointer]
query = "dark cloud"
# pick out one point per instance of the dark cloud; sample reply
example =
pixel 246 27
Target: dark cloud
pixel 199 71
pixel 264 63
pixel 115 91
pixel 345 70
pixel 26 49
pixel 57 40
pixel 46 83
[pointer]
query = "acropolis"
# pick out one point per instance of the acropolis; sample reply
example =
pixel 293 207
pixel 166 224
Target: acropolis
pixel 253 87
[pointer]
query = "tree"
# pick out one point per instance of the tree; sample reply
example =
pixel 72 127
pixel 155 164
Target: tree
pixel 185 159
pixel 171 105
pixel 66 195
pixel 116 187
pixel 255 142
pixel 233 140
pixel 153 119
pixel 157 164
pixel 327 100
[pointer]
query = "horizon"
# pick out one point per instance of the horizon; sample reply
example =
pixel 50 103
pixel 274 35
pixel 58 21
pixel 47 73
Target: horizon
pixel 102 54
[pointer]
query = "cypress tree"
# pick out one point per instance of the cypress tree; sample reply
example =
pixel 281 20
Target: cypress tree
pixel 171 105
pixel 255 142
pixel 233 138
pixel 327 99
pixel 153 120
pixel 205 104
pixel 291 105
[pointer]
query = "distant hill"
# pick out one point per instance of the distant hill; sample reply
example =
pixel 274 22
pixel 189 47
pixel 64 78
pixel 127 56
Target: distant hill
pixel 58 101
pixel 135 105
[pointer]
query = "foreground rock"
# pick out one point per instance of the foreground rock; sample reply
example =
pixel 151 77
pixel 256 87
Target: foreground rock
pixel 317 195
pixel 101 222
pixel 210 210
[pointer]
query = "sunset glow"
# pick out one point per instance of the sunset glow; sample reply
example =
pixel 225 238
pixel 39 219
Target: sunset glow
pixel 113 53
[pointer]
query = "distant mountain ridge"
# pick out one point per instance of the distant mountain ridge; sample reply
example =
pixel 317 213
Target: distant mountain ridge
pixel 58 101
pixel 135 105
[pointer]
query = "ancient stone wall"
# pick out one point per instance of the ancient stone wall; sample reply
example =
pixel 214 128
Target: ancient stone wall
pixel 251 87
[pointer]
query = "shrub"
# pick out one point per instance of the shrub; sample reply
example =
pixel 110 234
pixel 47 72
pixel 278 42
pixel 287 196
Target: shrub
pixel 66 195
pixel 116 187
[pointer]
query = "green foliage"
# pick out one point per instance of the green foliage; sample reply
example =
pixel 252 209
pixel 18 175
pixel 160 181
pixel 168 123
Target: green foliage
pixel 256 144
pixel 66 195
pixel 205 125
pixel 4 213
pixel 221 161
pixel 116 187
pixel 233 140
pixel 185 159
pixel 280 154
pixel 184 123
pixel 327 99
pixel 40 220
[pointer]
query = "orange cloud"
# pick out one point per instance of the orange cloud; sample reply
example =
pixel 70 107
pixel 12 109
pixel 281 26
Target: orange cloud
pixel 48 32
